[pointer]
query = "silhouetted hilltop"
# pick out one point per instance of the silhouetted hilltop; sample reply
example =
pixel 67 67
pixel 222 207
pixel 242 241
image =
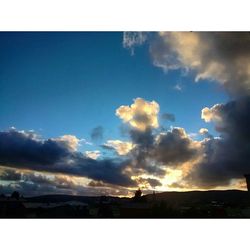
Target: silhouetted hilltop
pixel 192 204
pixel 172 198
pixel 200 197
pixel 65 198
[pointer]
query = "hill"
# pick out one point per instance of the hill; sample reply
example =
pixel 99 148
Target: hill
pixel 236 197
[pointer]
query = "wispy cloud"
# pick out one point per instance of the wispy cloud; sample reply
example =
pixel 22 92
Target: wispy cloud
pixel 178 87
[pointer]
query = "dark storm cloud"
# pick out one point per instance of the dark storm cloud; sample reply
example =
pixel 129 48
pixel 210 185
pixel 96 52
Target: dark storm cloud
pixel 141 154
pixel 25 151
pixel 174 147
pixel 168 117
pixel 226 157
pixel 109 171
pixel 170 148
pixel 97 133
pixel 143 139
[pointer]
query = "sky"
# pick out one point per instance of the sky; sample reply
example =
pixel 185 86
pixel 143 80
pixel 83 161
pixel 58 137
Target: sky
pixel 107 112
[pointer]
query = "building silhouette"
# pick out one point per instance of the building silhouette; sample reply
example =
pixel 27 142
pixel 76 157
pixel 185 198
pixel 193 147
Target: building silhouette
pixel 247 176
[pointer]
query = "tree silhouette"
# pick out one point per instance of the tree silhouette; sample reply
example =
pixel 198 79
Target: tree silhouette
pixel 138 194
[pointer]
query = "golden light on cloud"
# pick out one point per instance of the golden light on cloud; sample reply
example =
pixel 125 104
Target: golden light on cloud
pixel 203 131
pixel 211 114
pixel 172 176
pixel 71 141
pixel 146 181
pixel 121 147
pixel 140 115
pixel 93 154
pixel 191 50
pixel 186 44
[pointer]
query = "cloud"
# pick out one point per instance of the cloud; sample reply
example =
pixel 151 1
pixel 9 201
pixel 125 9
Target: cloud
pixel 223 57
pixel 154 152
pixel 168 117
pixel 220 56
pixel 178 87
pixel 42 185
pixel 141 115
pixel 226 157
pixel 175 147
pixel 21 150
pixel 121 147
pixel 203 131
pixel 70 141
pixel 148 182
pixel 148 152
pixel 209 114
pixel 97 133
pixel 97 184
pixel 26 149
pixel 133 39
pixel 9 175
pixel 30 183
pixel 93 154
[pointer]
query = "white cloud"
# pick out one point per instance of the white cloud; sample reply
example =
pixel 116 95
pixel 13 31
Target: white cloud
pixel 203 131
pixel 84 141
pixel 178 87
pixel 133 39
pixel 121 147
pixel 211 114
pixel 93 154
pixel 141 114
pixel 71 141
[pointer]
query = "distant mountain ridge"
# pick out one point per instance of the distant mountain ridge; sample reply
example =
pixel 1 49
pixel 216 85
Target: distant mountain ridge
pixel 173 198
pixel 193 197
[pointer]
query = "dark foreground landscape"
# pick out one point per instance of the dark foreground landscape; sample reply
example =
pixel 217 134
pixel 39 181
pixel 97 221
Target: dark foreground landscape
pixel 193 204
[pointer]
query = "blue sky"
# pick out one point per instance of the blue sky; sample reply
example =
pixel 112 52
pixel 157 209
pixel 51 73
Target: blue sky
pixel 69 83
pixel 64 85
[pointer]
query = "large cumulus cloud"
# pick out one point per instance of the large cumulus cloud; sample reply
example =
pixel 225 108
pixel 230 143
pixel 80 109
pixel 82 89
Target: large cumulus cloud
pixel 141 114
pixel 154 151
pixel 175 147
